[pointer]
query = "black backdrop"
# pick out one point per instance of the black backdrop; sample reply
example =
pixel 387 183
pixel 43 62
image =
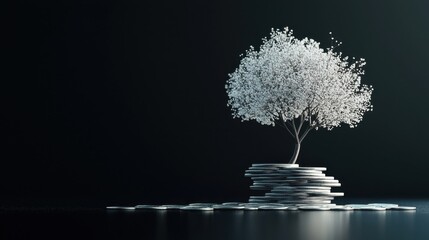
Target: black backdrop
pixel 123 102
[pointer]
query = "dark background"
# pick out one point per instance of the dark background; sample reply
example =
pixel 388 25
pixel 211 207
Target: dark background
pixel 124 102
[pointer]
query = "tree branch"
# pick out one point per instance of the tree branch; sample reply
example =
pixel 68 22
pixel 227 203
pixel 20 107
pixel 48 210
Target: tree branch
pixel 285 126
pixel 294 129
pixel 306 132
pixel 300 123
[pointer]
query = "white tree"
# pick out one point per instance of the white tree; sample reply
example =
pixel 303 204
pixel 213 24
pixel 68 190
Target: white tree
pixel 298 85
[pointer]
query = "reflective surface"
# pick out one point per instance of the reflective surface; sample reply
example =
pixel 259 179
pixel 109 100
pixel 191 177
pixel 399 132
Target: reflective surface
pixel 73 224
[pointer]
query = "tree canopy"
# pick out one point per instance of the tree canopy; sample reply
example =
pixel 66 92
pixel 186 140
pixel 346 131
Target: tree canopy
pixel 289 80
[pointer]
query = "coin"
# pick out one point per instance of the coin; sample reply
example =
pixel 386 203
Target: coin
pixel 197 208
pixel 119 208
pixel 149 206
pixel 202 204
pixel 227 207
pixel 403 208
pixel 269 207
pixel 314 208
pixel 385 205
pixel 173 206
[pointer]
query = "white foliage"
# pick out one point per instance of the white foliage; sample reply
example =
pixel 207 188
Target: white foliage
pixel 290 78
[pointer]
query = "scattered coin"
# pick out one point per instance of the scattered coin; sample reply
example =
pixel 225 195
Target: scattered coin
pixel 232 203
pixel 119 208
pixel 270 207
pixel 173 206
pixel 385 205
pixel 292 208
pixel 250 208
pixel 354 206
pixel 202 204
pixel 341 208
pixel 370 208
pixel 404 208
pixel 227 207
pixel 196 208
pixel 153 207
pixel 314 208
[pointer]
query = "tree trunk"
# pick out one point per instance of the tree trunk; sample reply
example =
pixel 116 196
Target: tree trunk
pixel 295 153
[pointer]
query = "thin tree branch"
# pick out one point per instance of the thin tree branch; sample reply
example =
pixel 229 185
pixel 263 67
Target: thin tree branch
pixel 306 132
pixel 294 129
pixel 300 123
pixel 285 126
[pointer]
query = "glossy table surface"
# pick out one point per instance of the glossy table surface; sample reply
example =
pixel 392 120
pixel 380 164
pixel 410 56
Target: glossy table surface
pixel 45 223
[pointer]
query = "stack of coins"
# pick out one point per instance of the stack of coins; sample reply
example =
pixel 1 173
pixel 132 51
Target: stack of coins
pixel 292 185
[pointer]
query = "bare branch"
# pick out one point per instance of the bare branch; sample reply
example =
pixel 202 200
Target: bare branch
pixel 294 129
pixel 306 132
pixel 285 126
pixel 300 123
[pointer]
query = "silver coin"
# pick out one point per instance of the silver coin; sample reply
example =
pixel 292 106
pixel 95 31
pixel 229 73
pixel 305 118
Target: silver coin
pixel 385 205
pixel 356 205
pixel 369 208
pixel 232 203
pixel 313 168
pixel 329 205
pixel 250 208
pixel 202 204
pixel 314 208
pixel 403 208
pixel 322 184
pixel 341 208
pixel 257 200
pixel 286 165
pixel 271 181
pixel 302 187
pixel 173 206
pixel 330 194
pixel 196 208
pixel 299 170
pixel 314 191
pixel 266 178
pixel 313 202
pixel 119 208
pixel 292 208
pixel 250 204
pixel 268 207
pixel 227 207
pixel 148 206
pixel 323 181
pixel 273 204
pixel 365 207
pixel 312 178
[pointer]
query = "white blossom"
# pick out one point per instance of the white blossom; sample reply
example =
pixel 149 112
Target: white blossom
pixel 297 83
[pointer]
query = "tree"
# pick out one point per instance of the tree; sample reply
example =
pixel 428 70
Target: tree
pixel 298 85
